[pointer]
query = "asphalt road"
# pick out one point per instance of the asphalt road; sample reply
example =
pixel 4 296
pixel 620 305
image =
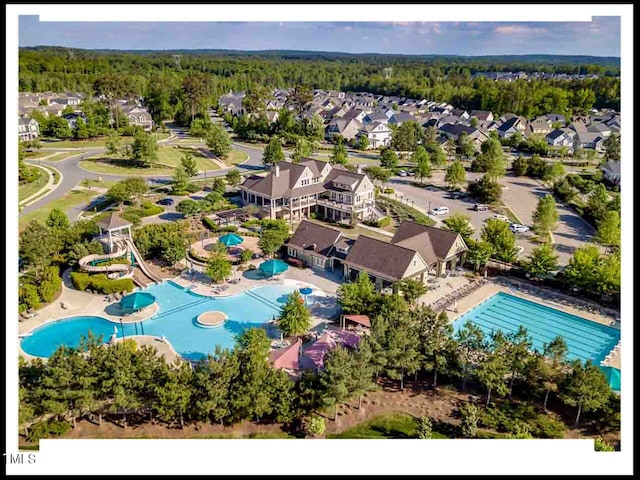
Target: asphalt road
pixel 73 174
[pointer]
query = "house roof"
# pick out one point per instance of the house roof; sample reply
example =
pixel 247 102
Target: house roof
pixel 313 357
pixel 612 166
pixel 456 129
pixel 402 117
pixel 481 114
pixel 380 258
pixel 312 237
pixel 557 133
pixel 286 358
pixel 113 221
pixel 432 243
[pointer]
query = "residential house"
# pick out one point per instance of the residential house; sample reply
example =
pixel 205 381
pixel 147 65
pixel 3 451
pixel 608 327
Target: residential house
pixel 540 125
pixel 600 128
pixel 453 131
pixel 347 128
pixel 611 172
pixel 557 118
pixel 400 118
pixel 375 117
pixel 462 114
pixel 232 103
pixel 272 116
pixel 73 119
pixel 28 129
pixel 482 115
pixel 355 114
pixel 294 191
pixel 138 116
pixel 379 134
pixel 561 137
pixel 319 246
pixel 512 126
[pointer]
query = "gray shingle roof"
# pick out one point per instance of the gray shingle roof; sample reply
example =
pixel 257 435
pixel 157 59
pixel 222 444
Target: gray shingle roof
pixel 379 258
pixel 314 238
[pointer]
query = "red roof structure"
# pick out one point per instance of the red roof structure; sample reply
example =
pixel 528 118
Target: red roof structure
pixel 359 319
pixel 286 358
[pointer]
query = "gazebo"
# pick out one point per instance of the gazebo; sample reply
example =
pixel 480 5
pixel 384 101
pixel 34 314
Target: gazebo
pixel 113 227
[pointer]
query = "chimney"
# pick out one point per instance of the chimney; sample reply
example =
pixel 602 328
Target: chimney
pixel 275 169
pixel 359 169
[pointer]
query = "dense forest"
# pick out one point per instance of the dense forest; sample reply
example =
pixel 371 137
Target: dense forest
pixel 447 79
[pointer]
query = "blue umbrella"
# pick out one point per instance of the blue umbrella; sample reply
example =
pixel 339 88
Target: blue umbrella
pixel 306 291
pixel 137 301
pixel 231 239
pixel 273 267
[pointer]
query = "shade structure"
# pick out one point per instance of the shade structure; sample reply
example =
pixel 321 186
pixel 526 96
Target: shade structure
pixel 273 267
pixel 306 291
pixel 137 301
pixel 612 375
pixel 231 239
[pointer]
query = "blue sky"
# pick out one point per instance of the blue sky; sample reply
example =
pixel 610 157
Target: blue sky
pixel 600 37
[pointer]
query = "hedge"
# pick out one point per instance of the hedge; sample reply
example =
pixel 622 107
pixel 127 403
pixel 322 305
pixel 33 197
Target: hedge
pixel 50 428
pixel 83 281
pixel 384 222
pixel 210 224
pixel 229 228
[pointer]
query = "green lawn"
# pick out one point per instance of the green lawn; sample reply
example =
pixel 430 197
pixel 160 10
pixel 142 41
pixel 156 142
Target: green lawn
pixel 97 142
pixel 36 154
pixel 103 165
pixel 71 199
pixel 31 188
pixel 387 425
pixel 235 157
pixel 171 155
pixel 400 211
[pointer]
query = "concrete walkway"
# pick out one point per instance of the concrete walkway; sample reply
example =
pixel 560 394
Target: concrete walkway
pixel 49 186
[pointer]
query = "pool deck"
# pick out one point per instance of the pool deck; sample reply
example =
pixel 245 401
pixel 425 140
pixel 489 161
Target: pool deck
pixel 199 247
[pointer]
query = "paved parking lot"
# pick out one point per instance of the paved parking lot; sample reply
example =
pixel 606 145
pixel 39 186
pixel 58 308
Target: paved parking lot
pixel 521 194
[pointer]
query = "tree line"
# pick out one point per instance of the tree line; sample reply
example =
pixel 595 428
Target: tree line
pixel 175 90
pixel 406 340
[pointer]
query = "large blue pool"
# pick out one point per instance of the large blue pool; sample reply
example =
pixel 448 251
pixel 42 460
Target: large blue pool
pixel 176 320
pixel 586 340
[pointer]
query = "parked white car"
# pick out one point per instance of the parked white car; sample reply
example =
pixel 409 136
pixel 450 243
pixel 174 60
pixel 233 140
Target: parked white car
pixel 518 228
pixel 402 173
pixel 502 218
pixel 439 211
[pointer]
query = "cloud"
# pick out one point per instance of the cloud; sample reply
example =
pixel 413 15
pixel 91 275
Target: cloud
pixel 365 37
pixel 519 30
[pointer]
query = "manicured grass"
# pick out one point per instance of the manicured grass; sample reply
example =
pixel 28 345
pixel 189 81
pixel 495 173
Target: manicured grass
pixel 401 211
pixel 56 177
pixel 363 161
pixel 171 155
pixel 36 154
pixel 235 157
pixel 70 200
pixel 94 143
pixel 57 157
pixel 31 188
pixel 103 165
pixel 387 425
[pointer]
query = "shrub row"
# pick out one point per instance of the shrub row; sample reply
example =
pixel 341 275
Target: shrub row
pixel 100 283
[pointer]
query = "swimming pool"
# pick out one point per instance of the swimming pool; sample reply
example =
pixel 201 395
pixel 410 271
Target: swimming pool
pixel 586 340
pixel 176 320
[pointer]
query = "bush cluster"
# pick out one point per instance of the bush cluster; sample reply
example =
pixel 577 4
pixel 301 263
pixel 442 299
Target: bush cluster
pixel 100 283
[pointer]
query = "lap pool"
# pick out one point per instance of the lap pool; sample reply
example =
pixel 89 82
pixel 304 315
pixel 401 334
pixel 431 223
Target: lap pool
pixel 176 320
pixel 586 340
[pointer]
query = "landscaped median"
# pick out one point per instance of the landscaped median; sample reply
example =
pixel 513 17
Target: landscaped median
pixel 400 211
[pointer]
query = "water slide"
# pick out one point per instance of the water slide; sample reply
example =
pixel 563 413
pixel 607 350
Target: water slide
pixel 86 262
pixel 124 246
pixel 140 261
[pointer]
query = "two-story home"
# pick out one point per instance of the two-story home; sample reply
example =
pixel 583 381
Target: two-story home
pixel 28 129
pixel 378 134
pixel 347 128
pixel 138 116
pixel 541 125
pixel 73 119
pixel 482 115
pixel 611 172
pixel 511 126
pixel 294 191
pixel 561 137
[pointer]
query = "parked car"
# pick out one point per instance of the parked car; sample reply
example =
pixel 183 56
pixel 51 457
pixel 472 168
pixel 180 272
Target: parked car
pixel 480 207
pixel 502 218
pixel 439 211
pixel 402 173
pixel 455 195
pixel 165 201
pixel 518 228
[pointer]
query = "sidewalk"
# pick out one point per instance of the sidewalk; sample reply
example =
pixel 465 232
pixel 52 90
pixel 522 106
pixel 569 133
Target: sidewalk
pixel 48 187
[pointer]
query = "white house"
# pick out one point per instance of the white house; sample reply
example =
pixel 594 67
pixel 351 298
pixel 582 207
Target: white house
pixel 28 129
pixel 378 134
